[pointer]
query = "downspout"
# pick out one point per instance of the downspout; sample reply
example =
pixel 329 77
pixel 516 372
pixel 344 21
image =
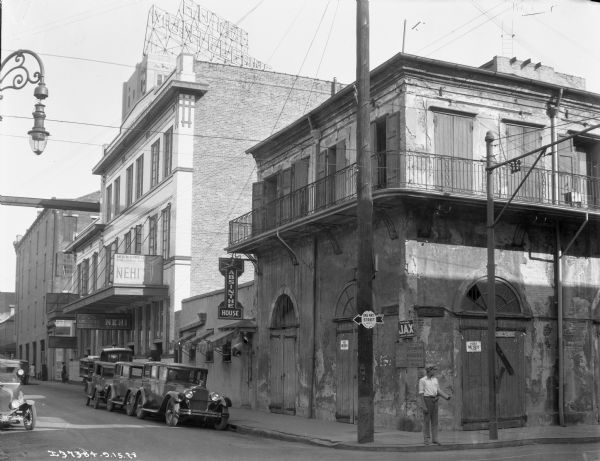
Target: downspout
pixel 553 112
pixel 314 332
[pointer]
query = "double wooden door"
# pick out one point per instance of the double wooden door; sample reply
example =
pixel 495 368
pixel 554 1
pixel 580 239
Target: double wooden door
pixel 510 379
pixel 283 375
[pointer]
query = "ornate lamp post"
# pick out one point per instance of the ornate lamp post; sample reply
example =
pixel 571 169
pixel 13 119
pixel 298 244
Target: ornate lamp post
pixel 13 70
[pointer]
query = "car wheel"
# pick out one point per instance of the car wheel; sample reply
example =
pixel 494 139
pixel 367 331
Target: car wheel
pixel 130 404
pixel 172 413
pixel 139 410
pixel 29 417
pixel 96 399
pixel 110 406
pixel 223 422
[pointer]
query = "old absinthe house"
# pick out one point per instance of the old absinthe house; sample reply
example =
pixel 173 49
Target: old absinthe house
pixel 429 121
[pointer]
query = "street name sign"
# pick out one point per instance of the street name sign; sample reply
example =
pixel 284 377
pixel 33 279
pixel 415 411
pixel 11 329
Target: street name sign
pixel 368 319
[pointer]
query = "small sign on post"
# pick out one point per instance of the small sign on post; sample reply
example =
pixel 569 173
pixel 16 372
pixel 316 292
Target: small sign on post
pixel 406 329
pixel 231 268
pixel 368 319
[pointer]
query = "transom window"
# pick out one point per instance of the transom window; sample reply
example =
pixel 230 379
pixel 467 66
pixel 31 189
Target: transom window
pixel 507 301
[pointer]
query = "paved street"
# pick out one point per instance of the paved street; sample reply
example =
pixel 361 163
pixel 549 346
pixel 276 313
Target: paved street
pixel 67 429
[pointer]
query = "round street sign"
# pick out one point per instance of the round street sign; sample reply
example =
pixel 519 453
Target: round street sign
pixel 369 319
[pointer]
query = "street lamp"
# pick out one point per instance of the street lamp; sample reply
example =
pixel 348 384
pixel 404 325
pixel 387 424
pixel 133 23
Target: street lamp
pixel 17 76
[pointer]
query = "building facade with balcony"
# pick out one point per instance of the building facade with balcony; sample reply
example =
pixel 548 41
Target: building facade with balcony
pixel 429 121
pixel 175 171
pixel 45 335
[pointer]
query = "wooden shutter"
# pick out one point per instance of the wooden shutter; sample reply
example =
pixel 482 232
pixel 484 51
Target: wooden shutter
pixel 392 144
pixel 258 212
pixel 284 190
pixel 340 164
pixel 299 183
pixel 321 189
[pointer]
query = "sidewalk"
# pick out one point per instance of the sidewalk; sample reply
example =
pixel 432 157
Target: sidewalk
pixel 343 436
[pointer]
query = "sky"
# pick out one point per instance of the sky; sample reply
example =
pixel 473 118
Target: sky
pixel 90 48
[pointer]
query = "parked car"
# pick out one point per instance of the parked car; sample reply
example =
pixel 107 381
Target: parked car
pixel 14 409
pixel 178 393
pixel 102 378
pixel 126 382
pixel 24 377
pixel 116 354
pixel 86 369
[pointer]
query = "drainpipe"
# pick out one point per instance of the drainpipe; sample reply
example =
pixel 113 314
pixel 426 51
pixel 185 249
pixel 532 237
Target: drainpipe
pixel 314 331
pixel 558 282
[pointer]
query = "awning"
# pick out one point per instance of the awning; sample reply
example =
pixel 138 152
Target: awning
pixel 220 338
pixel 185 339
pixel 245 325
pixel 202 336
pixel 116 298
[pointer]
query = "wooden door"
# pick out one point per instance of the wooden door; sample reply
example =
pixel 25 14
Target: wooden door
pixel 453 138
pixel 289 377
pixel 346 365
pixel 282 374
pixel 510 380
pixel 275 373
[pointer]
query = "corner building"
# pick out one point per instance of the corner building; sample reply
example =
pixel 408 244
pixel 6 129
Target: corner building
pixel 429 121
pixel 170 181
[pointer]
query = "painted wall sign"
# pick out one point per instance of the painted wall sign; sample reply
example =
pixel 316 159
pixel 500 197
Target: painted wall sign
pixel 506 334
pixel 344 344
pixel 406 328
pixel 129 269
pixel 62 342
pixel 473 346
pixel 410 354
pixel 104 321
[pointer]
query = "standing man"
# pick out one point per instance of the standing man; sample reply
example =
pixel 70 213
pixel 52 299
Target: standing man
pixel 429 390
pixel 63 374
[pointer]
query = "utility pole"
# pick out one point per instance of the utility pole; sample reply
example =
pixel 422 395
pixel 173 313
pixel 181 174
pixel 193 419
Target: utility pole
pixel 364 295
pixel 491 290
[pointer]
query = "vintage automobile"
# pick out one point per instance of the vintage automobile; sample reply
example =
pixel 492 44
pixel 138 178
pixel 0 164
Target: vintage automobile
pixel 126 382
pixel 178 393
pixel 86 369
pixel 14 409
pixel 24 377
pixel 99 385
pixel 116 354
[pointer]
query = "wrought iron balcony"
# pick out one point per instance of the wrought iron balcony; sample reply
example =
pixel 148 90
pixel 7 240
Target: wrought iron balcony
pixel 419 172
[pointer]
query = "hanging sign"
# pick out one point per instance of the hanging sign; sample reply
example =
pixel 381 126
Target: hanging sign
pixel 368 319
pixel 231 268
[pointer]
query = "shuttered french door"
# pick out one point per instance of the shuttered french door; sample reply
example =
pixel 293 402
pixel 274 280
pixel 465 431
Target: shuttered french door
pixel 453 138
pixel 346 365
pixel 282 374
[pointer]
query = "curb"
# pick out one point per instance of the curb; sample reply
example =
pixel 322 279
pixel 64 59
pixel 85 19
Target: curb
pixel 271 434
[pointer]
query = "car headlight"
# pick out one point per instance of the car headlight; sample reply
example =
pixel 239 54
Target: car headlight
pixel 214 396
pixel 21 372
pixel 188 394
pixel 15 404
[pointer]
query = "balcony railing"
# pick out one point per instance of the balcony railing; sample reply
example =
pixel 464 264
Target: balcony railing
pixel 436 174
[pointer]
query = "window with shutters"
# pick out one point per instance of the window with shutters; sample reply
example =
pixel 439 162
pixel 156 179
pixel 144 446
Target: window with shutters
pixel 579 171
pixel 453 144
pixel 168 152
pixel 152 235
pixel 117 192
pixel 154 159
pixel 166 232
pixel 386 161
pixel 138 239
pixel 109 203
pixel 521 139
pixel 300 194
pixel 94 274
pixel 129 186
pixel 127 242
pixel 139 177
pixel 331 185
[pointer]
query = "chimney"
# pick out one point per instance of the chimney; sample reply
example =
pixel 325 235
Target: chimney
pixel 333 86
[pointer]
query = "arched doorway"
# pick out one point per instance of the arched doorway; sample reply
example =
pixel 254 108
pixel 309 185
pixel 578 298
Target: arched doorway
pixel 282 370
pixel 511 324
pixel 346 356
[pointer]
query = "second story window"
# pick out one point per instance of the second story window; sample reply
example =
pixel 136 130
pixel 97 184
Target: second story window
pixel 138 240
pixel 166 232
pixel 129 186
pixel 155 151
pixel 127 241
pixel 117 192
pixel 521 139
pixel 94 275
pixel 139 177
pixel 109 203
pixel 168 152
pixel 152 234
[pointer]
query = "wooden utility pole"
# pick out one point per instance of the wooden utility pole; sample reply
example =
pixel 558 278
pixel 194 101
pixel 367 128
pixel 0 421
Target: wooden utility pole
pixel 364 295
